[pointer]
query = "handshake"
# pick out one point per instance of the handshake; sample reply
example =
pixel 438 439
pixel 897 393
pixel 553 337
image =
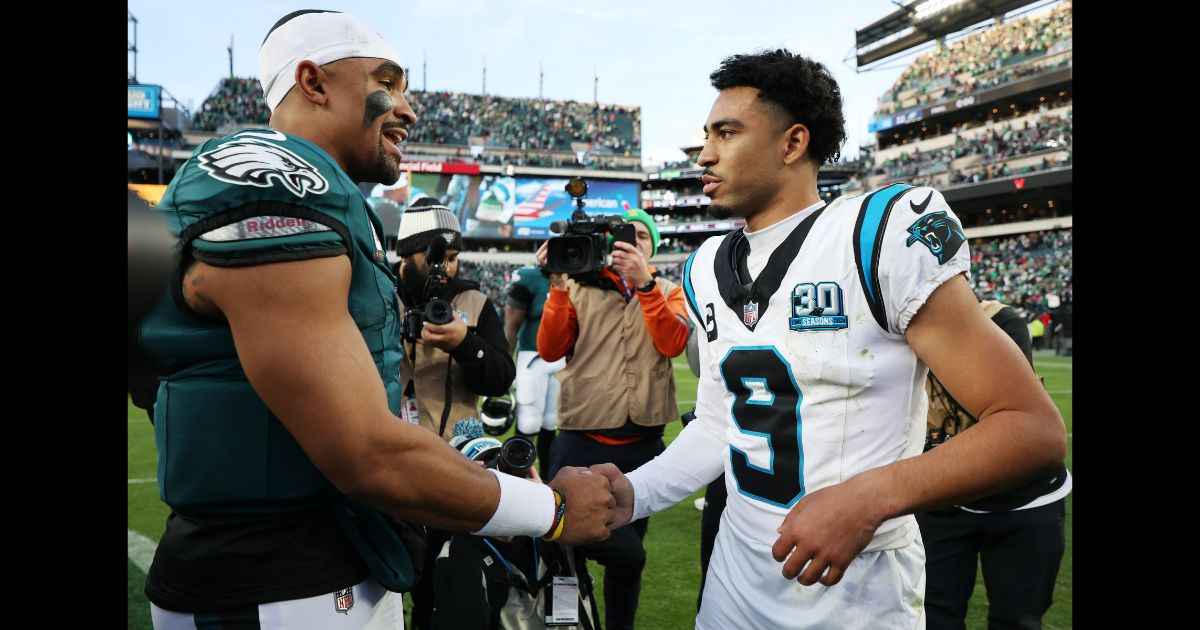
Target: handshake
pixel 599 499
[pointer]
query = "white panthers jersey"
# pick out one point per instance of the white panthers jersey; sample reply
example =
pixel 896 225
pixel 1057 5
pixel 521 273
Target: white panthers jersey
pixel 808 368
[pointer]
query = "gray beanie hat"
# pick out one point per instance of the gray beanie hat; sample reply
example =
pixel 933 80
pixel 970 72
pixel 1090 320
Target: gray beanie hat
pixel 423 220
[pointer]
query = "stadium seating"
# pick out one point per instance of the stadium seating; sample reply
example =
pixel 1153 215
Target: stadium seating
pixel 1022 270
pixel 525 123
pixel 1017 49
pixel 532 126
pixel 235 101
pixel 1024 144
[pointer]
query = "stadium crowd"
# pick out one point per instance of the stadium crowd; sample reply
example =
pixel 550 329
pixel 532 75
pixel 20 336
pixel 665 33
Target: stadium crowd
pixel 551 161
pixel 453 118
pixel 983 61
pixel 680 164
pixel 525 123
pixel 234 101
pixel 995 145
pixel 493 278
pixel 1022 270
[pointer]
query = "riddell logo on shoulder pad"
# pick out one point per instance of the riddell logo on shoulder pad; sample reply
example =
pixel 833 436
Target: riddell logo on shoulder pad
pixel 274 223
pixel 263 227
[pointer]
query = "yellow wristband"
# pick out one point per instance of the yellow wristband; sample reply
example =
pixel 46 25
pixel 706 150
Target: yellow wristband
pixel 560 512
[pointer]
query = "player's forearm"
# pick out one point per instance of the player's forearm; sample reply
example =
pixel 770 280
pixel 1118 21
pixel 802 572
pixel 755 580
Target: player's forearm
pixel 418 477
pixel 412 474
pixel 692 461
pixel 1004 449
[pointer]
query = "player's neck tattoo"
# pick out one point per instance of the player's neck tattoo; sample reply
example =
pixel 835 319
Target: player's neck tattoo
pixel 378 103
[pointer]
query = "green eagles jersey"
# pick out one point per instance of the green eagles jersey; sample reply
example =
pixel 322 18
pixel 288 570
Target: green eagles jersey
pixel 257 196
pixel 529 292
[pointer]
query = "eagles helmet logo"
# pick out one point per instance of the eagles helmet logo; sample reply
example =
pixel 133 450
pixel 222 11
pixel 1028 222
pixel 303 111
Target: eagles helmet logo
pixel 253 162
pixel 937 231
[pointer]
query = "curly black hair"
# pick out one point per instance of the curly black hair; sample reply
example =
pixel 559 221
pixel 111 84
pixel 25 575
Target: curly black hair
pixel 800 87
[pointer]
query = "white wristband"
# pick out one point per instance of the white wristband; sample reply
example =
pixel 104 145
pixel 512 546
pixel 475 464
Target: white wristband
pixel 526 508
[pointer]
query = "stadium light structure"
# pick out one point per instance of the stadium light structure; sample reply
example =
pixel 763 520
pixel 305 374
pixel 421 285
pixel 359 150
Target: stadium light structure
pixel 929 8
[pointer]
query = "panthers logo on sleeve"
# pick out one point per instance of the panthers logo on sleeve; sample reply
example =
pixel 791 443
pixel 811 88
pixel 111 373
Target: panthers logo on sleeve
pixel 940 233
pixel 248 160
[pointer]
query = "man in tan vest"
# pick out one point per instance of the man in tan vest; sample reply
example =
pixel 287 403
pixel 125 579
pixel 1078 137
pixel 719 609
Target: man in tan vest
pixel 446 371
pixel 619 329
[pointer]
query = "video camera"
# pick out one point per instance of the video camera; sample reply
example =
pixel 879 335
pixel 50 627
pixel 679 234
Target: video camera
pixel 582 246
pixel 432 309
pixel 515 456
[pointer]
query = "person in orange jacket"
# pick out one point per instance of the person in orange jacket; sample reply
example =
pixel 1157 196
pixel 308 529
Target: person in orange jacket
pixel 619 327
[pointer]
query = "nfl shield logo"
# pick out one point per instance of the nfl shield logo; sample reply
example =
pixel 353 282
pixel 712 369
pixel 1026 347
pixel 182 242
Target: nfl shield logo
pixel 750 313
pixel 343 600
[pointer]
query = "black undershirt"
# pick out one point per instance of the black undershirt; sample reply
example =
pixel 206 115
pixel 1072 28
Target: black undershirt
pixel 215 563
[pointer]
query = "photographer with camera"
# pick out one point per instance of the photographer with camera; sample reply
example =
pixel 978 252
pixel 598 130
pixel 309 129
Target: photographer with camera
pixel 455 350
pixel 619 325
pixel 458 350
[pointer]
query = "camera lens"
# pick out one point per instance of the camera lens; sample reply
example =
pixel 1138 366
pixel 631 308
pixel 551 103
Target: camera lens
pixel 438 312
pixel 572 256
pixel 517 455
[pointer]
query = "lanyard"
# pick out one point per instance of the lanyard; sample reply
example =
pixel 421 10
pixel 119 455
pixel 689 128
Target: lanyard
pixel 509 567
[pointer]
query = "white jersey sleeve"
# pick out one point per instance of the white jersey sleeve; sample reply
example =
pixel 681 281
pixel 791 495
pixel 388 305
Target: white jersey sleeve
pixel 697 455
pixel 923 245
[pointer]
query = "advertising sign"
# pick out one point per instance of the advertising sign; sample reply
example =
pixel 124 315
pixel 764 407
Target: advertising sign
pixel 524 207
pixel 144 101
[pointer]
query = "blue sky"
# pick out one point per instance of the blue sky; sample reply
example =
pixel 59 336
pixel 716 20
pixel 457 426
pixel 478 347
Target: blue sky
pixel 644 53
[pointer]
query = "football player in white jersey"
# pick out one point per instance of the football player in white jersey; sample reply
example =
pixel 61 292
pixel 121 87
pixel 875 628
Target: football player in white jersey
pixel 820 323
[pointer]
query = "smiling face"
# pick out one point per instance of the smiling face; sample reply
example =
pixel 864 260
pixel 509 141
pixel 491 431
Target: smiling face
pixel 745 139
pixel 372 116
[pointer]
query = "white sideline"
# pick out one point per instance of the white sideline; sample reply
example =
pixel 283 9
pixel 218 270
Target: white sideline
pixel 141 550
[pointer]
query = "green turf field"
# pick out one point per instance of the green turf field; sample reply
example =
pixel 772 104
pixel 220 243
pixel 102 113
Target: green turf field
pixel 672 573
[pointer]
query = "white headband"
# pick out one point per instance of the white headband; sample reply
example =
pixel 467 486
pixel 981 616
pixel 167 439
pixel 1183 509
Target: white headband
pixel 318 37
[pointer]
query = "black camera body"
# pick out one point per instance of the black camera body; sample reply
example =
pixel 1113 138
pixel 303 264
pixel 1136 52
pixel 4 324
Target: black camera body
pixel 432 309
pixel 582 246
pixel 435 311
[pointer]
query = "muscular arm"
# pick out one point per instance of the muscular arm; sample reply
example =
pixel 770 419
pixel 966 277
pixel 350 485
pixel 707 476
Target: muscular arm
pixel 513 318
pixel 1019 433
pixel 305 357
